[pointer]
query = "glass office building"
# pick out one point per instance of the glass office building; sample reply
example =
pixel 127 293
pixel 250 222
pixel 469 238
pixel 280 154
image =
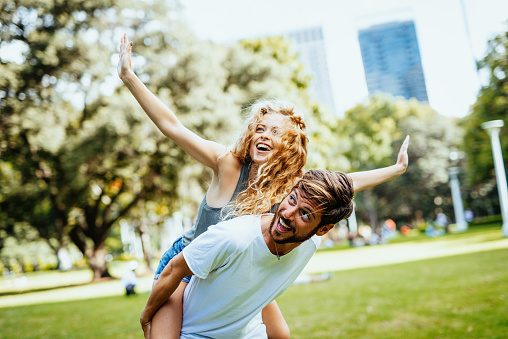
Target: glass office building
pixel 391 60
pixel 310 44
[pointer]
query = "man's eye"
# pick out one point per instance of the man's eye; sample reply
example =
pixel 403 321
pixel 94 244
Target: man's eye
pixel 259 129
pixel 305 216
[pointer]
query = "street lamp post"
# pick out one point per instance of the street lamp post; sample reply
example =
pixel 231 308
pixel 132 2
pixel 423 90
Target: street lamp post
pixel 458 207
pixel 492 128
pixel 353 225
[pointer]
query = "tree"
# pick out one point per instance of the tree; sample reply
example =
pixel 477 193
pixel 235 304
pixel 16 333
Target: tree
pixel 36 117
pixel 492 104
pixel 375 131
pixel 77 152
pixel 78 159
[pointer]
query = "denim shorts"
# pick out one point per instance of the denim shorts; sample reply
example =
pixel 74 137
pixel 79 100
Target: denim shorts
pixel 172 252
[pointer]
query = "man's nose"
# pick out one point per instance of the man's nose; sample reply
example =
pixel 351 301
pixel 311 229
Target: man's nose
pixel 289 212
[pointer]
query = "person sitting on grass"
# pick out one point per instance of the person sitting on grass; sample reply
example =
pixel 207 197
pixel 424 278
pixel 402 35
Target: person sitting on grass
pixel 241 265
pixel 129 280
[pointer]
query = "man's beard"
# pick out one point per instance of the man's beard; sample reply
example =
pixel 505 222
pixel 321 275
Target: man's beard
pixel 292 239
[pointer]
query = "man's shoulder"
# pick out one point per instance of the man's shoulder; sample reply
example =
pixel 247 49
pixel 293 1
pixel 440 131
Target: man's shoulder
pixel 244 221
pixel 240 230
pixel 312 244
pixel 316 241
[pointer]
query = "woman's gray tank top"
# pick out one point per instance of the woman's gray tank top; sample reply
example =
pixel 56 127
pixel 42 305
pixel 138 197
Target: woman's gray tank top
pixel 208 216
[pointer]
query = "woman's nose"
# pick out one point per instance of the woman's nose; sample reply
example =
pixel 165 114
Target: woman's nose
pixel 265 134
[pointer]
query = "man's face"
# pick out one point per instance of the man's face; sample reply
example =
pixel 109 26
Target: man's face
pixel 296 219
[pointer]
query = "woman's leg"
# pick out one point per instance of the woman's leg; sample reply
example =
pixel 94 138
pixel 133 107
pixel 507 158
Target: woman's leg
pixel 167 321
pixel 276 326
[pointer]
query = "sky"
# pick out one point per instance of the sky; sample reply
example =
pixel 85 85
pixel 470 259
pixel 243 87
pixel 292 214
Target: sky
pixel 451 35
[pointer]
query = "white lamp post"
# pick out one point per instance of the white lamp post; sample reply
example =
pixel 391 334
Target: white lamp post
pixel 458 207
pixel 353 225
pixel 493 127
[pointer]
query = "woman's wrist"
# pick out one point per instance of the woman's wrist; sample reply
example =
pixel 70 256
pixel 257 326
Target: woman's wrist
pixel 399 169
pixel 127 76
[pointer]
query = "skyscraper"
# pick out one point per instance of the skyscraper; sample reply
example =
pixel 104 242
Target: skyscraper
pixel 391 60
pixel 311 46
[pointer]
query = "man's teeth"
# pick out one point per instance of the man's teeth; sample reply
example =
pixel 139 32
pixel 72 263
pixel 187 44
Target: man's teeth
pixel 281 222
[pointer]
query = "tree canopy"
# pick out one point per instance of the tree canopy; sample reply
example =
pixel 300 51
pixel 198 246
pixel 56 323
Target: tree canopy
pixel 492 104
pixel 77 151
pixel 375 131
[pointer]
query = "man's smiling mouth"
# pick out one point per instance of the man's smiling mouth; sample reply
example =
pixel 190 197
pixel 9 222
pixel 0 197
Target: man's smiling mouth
pixel 282 227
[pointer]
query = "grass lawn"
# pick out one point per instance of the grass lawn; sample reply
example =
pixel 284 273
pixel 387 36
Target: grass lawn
pixel 463 296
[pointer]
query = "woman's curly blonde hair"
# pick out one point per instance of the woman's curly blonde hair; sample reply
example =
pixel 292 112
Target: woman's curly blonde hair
pixel 284 167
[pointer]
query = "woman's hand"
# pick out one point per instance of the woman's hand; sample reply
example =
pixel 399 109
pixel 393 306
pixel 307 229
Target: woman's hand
pixel 366 179
pixel 402 158
pixel 146 329
pixel 124 64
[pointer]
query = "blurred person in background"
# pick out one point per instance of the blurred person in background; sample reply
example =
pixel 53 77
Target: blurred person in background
pixel 129 280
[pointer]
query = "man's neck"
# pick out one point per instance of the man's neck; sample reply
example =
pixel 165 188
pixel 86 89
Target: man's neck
pixel 276 249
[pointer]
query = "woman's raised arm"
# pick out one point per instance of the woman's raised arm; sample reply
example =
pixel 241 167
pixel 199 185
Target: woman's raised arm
pixel 366 179
pixel 205 151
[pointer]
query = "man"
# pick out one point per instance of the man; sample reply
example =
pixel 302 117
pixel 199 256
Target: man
pixel 242 264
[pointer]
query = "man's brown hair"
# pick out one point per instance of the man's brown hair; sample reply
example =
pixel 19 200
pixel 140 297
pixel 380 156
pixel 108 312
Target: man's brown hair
pixel 332 191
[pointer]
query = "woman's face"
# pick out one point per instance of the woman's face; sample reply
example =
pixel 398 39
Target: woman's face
pixel 266 137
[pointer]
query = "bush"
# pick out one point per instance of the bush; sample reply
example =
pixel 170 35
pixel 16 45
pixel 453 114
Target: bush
pixel 46 263
pixel 15 266
pixel 490 219
pixel 28 265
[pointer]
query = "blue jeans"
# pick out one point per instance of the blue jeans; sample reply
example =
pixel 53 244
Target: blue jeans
pixel 172 252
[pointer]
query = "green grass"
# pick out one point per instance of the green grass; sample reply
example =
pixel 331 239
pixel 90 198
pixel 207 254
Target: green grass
pixel 464 296
pixel 112 317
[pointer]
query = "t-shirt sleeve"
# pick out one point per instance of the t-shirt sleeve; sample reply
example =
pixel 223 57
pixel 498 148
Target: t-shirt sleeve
pixel 212 249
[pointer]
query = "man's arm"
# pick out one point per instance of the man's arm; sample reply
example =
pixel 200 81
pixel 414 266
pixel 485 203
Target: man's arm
pixel 366 179
pixel 167 283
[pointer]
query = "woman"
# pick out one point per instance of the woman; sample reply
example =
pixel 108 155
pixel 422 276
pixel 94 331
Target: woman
pixel 260 169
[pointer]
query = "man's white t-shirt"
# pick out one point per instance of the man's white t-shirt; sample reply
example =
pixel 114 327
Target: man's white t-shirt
pixel 235 276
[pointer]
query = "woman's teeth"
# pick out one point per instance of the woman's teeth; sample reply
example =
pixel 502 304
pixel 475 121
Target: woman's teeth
pixel 262 147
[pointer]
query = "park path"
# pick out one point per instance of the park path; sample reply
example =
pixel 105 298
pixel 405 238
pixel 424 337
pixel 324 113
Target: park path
pixel 370 256
pixel 323 261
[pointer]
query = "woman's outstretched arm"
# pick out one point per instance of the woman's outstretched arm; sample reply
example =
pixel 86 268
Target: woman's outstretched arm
pixel 205 151
pixel 366 179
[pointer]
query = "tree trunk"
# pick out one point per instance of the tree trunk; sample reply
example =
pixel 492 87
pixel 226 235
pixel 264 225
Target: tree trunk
pixel 146 241
pixel 97 260
pixel 369 206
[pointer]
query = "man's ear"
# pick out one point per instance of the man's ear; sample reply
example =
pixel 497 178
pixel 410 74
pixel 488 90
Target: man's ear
pixel 324 229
